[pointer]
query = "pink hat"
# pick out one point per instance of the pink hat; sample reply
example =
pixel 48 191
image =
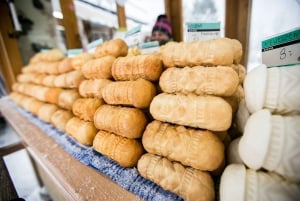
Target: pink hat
pixel 163 24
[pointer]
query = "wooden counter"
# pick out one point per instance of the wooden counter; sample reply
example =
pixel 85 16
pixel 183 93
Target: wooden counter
pixel 64 176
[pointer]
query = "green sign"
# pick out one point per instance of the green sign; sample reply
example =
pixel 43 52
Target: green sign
pixel 282 49
pixel 277 41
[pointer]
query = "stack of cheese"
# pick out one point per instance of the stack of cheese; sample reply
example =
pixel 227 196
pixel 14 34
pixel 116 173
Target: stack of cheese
pixel 96 70
pixel 47 87
pixel 83 129
pixel 70 85
pixel 269 146
pixel 192 115
pixel 122 120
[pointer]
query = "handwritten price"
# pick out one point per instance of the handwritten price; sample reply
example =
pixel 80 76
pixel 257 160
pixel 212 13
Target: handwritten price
pixel 284 53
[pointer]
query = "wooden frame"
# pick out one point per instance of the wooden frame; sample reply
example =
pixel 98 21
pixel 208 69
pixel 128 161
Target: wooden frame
pixel 238 15
pixel 69 22
pixel 173 9
pixel 10 57
pixel 121 16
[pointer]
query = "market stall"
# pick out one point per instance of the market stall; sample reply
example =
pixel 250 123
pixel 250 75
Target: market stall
pixel 125 119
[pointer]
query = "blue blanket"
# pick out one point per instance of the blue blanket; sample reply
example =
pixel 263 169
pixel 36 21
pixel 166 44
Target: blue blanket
pixel 127 178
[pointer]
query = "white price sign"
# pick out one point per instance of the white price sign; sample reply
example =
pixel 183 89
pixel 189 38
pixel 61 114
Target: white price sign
pixel 282 50
pixel 73 52
pixel 202 31
pixel 150 47
pixel 133 37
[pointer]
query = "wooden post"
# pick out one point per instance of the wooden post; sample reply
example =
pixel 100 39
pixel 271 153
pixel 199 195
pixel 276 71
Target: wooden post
pixel 69 22
pixel 121 16
pixel 173 9
pixel 10 57
pixel 238 14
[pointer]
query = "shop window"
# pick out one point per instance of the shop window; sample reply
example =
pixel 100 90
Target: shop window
pixel 143 12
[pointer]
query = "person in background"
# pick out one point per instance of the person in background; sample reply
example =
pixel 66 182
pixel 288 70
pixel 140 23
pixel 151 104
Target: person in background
pixel 162 30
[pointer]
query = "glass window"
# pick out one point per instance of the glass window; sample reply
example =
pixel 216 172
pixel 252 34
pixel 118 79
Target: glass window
pixel 99 12
pixel 270 18
pixel 143 12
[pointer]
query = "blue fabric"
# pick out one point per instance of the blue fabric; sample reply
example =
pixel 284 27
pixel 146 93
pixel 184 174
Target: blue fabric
pixel 127 178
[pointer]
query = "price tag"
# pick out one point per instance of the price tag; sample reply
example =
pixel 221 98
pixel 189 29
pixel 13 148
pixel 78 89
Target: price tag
pixel 73 52
pixel 202 31
pixel 133 37
pixel 150 47
pixel 44 50
pixel 282 49
pixel 92 46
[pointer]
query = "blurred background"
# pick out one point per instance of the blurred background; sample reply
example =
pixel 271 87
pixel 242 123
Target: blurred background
pixel 42 27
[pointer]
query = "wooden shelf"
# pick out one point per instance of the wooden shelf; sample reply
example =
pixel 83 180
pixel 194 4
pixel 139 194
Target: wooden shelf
pixel 64 176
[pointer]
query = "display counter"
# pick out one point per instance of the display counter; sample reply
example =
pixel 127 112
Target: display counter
pixel 65 177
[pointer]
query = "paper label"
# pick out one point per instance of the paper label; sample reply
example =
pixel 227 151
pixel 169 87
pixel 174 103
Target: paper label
pixel 73 52
pixel 150 47
pixel 44 50
pixel 282 49
pixel 133 37
pixel 202 31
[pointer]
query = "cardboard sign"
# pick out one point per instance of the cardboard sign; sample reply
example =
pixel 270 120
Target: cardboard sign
pixel 202 31
pixel 282 49
pixel 133 37
pixel 150 47
pixel 73 52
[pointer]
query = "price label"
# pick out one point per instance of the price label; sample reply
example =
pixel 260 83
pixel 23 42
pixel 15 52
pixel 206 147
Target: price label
pixel 202 31
pixel 73 52
pixel 44 50
pixel 150 47
pixel 133 37
pixel 282 50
